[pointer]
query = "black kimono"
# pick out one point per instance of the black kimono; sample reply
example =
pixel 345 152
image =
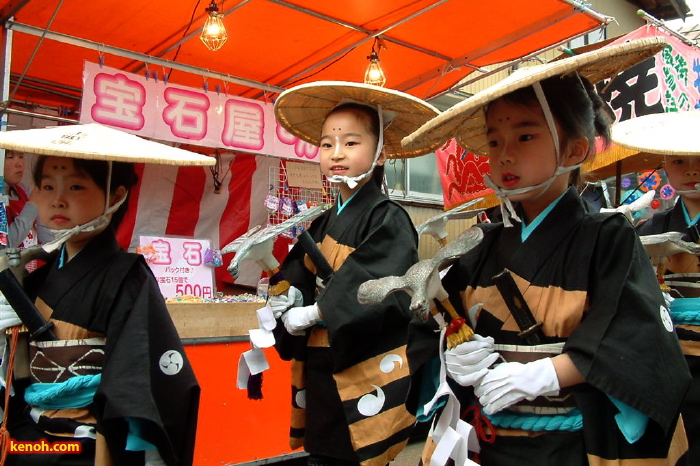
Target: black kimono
pixel 687 329
pixel 106 308
pixel 587 278
pixel 351 372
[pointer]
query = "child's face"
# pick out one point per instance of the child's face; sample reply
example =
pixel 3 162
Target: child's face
pixel 683 172
pixel 14 167
pixel 521 148
pixel 67 197
pixel 347 145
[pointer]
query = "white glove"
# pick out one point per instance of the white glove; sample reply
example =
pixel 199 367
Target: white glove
pixel 299 318
pixel 468 362
pixel 510 382
pixel 281 302
pixel 8 316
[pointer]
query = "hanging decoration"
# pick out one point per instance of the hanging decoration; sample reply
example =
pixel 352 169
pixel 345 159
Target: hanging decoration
pixel 215 169
pixel 214 33
pixel 667 192
pixel 649 180
pixel 374 74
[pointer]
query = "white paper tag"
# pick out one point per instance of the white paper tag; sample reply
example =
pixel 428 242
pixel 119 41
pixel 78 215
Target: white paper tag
pixel 444 448
pixel 250 362
pixel 467 431
pixel 261 338
pixel 453 437
pixel 266 318
pixel 243 373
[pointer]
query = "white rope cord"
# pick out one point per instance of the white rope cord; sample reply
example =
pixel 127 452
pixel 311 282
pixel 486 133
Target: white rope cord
pixel 353 181
pixel 503 195
pixel 61 235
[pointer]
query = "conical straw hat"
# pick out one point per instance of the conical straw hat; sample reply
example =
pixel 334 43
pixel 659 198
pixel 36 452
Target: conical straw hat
pixel 673 133
pixel 302 110
pixel 467 121
pixel 98 142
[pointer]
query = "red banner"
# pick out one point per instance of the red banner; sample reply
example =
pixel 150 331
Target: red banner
pixel 461 173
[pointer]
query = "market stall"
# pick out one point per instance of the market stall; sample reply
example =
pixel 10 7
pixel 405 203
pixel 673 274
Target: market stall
pixel 233 428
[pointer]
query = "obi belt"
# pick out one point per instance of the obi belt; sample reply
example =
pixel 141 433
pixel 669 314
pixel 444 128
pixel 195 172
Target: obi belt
pixel 65 375
pixel 544 413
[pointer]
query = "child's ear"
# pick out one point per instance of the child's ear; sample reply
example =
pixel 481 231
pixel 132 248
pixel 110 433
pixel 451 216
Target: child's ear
pixel 578 151
pixel 381 160
pixel 117 196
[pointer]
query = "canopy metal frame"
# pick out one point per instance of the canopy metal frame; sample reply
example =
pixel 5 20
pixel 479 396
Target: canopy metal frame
pixel 169 44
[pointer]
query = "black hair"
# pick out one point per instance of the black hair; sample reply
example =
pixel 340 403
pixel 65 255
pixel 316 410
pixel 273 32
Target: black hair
pixel 370 116
pixel 123 174
pixel 576 106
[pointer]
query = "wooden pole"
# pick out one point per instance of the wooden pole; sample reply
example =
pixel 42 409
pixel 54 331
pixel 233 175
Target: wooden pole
pixel 618 182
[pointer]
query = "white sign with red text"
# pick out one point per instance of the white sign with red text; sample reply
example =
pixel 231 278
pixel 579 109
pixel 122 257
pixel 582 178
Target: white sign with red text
pixel 151 108
pixel 179 265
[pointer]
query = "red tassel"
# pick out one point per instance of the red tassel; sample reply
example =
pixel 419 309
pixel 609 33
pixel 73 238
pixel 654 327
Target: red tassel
pixel 454 326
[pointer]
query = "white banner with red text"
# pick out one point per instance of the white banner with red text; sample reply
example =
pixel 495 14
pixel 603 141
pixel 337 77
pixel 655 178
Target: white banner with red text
pixel 152 108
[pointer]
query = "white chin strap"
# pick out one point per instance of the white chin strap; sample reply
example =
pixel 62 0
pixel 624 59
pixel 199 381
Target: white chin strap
pixel 60 236
pixel 353 181
pixel 507 209
pixel 689 191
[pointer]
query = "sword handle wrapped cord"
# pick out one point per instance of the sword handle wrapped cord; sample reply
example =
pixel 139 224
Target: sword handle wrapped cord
pixel 323 269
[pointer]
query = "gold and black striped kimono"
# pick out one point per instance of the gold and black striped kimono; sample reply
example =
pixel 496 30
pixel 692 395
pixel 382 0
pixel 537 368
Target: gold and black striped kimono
pixel 350 373
pixel 587 278
pixel 687 325
pixel 110 318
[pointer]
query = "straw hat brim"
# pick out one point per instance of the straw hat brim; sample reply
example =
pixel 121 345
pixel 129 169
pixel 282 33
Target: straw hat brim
pixel 302 110
pixel 673 133
pixel 98 142
pixel 467 121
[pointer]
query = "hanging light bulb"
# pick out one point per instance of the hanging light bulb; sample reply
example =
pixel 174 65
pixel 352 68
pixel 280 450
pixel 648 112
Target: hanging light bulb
pixel 214 33
pixel 374 73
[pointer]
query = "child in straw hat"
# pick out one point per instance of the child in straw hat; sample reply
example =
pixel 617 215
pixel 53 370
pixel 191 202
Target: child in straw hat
pixel 673 135
pixel 117 380
pixel 350 372
pixel 592 371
